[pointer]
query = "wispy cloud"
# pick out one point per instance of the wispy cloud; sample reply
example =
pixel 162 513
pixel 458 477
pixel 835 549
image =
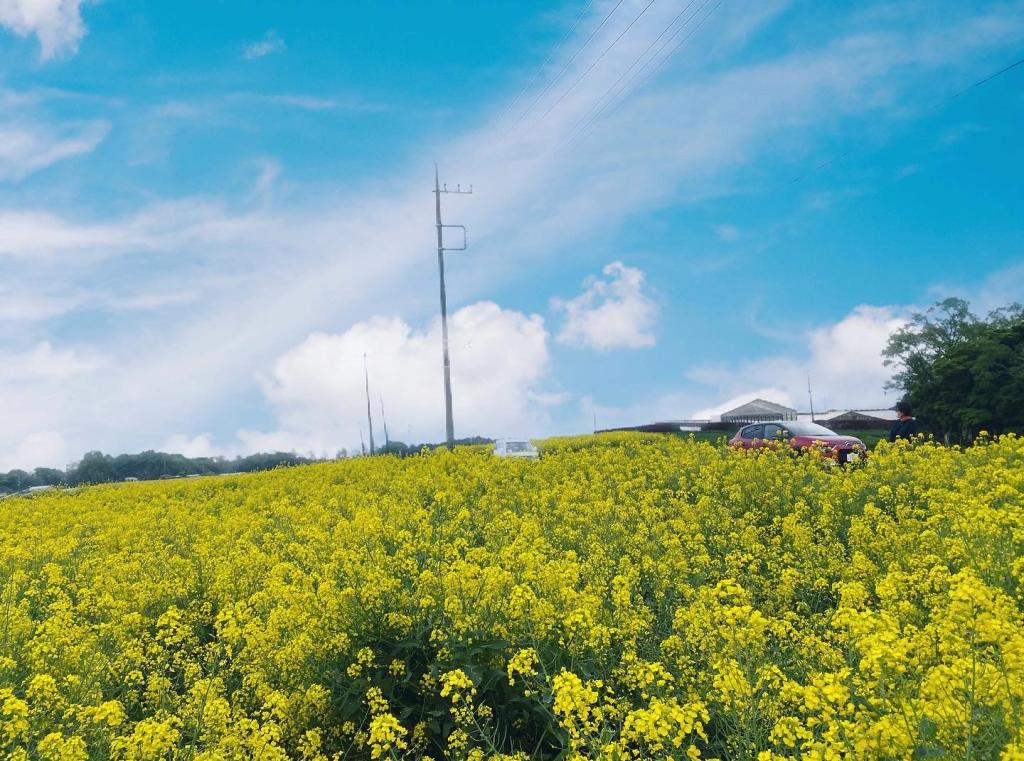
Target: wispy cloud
pixel 27 147
pixel 269 44
pixel 728 233
pixel 308 102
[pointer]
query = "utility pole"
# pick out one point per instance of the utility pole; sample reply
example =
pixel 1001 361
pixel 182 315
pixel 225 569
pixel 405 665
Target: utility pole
pixel 449 424
pixel 369 417
pixel 810 398
pixel 384 420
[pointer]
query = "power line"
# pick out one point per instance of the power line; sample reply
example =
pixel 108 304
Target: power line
pixel 937 106
pixel 568 63
pixel 650 60
pixel 601 101
pixel 597 60
pixel 989 78
pixel 551 57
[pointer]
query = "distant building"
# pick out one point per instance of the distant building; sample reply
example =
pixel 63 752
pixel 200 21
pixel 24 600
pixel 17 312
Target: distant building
pixel 758 411
pixel 853 419
pixel 664 426
pixel 762 410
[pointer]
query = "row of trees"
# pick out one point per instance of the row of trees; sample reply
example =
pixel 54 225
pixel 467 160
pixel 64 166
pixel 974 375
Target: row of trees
pixel 961 374
pixel 98 468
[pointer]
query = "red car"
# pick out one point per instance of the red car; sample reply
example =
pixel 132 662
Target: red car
pixel 800 435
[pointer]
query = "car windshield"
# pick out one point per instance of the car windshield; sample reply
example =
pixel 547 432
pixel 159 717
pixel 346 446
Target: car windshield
pixel 518 446
pixel 808 429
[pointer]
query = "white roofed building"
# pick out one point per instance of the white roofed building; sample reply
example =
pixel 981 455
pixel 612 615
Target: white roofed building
pixel 757 411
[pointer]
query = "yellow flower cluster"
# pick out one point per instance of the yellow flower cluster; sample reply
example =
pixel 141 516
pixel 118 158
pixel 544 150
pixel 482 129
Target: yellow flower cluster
pixel 623 597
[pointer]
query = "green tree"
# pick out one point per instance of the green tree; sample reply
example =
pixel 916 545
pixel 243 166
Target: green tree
pixel 95 468
pixel 16 480
pixel 47 476
pixel 961 374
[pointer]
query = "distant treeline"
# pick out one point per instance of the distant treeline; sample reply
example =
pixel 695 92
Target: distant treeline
pixel 98 468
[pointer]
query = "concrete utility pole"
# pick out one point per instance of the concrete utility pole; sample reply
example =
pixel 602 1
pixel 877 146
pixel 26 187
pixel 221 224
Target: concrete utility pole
pixel 384 420
pixel 369 417
pixel 449 424
pixel 810 397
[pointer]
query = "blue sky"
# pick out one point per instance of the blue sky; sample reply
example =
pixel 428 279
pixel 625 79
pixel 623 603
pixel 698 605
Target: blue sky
pixel 208 216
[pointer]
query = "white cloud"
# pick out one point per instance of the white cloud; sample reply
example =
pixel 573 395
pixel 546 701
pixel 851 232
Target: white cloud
pixel 44 363
pixel 34 388
pixel 28 147
pixel 307 102
pixel 499 359
pixel 37 449
pixel 611 313
pixel 57 24
pixel 1001 288
pixel 194 446
pixel 271 43
pixel 843 360
pixel 167 226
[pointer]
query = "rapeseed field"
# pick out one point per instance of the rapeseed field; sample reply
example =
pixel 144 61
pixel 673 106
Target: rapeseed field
pixel 624 597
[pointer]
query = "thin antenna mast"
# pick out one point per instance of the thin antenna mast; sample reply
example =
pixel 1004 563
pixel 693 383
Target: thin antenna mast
pixel 449 423
pixel 369 416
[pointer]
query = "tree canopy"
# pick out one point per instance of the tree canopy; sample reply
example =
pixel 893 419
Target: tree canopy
pixel 97 467
pixel 961 374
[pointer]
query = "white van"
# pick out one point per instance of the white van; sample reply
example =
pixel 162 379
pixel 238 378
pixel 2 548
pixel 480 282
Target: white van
pixel 515 448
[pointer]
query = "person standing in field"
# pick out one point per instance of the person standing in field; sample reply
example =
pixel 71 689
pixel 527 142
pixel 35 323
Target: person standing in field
pixel 905 426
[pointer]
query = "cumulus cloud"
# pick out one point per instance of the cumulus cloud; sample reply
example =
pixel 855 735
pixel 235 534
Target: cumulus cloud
pixel 271 43
pixel 843 360
pixel 499 360
pixel 192 446
pixel 26 148
pixel 37 449
pixel 611 313
pixel 57 24
pixel 30 437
